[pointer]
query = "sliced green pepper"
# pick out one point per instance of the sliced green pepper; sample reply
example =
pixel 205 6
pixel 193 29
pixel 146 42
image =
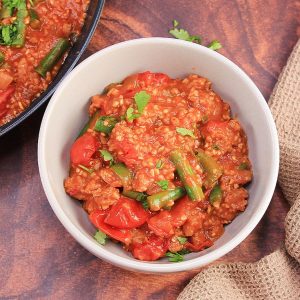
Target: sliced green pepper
pixel 211 168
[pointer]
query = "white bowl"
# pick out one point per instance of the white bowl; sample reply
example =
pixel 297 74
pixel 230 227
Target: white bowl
pixel 67 112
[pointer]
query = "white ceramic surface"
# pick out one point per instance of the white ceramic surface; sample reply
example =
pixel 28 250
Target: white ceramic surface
pixel 67 112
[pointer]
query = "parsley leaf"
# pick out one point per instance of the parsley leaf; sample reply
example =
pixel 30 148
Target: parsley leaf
pixel 141 99
pixel 159 164
pixel 106 155
pixel 184 132
pixel 100 237
pixel 86 169
pixel 181 239
pixel 182 34
pixel 164 184
pixel 184 251
pixel 174 257
pixel 215 45
pixel 130 116
pixel 175 23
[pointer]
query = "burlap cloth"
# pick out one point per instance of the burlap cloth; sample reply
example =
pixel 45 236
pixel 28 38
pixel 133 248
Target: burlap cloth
pixel 276 276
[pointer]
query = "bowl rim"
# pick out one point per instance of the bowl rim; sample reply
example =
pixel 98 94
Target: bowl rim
pixel 137 265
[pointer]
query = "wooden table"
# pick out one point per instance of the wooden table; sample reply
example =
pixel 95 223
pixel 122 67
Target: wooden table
pixel 38 258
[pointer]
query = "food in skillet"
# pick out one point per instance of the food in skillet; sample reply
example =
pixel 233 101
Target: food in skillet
pixel 35 36
pixel 160 166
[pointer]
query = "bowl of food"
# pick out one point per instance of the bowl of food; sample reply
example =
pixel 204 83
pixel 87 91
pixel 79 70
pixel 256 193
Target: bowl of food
pixel 40 42
pixel 152 154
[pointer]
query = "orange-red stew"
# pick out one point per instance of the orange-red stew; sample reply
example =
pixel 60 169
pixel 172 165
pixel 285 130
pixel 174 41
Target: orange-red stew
pixel 29 30
pixel 160 166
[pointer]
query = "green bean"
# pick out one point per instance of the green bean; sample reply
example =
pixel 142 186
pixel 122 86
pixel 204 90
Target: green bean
pixel 106 124
pixel 90 124
pixel 215 196
pixel 187 175
pixel 55 54
pixel 134 195
pixel 211 168
pixel 165 198
pixel 122 171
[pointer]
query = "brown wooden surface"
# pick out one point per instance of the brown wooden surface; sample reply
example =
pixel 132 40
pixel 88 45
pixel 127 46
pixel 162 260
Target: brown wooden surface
pixel 38 258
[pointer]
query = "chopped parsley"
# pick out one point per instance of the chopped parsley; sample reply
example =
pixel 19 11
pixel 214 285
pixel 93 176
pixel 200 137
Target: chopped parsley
pixel 106 155
pixel 164 184
pixel 130 116
pixel 141 99
pixel 100 237
pixel 181 239
pixel 214 45
pixel 174 257
pixel 184 132
pixel 86 169
pixel 182 34
pixel 159 164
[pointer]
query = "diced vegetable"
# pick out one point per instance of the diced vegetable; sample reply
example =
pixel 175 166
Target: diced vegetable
pixel 97 218
pixel 123 172
pixel 83 149
pixel 55 54
pixel 126 214
pixel 174 257
pixel 211 168
pixel 165 198
pixel 100 237
pixel 35 22
pixel 5 79
pixel 187 175
pixel 106 124
pixel 215 196
pixel 106 156
pixel 138 196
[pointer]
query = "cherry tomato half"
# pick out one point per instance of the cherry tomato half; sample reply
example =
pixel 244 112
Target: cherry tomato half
pixel 4 98
pixel 126 213
pixel 83 149
pixel 152 249
pixel 97 218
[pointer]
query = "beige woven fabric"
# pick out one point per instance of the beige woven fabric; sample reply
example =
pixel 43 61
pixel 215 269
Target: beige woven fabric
pixel 276 276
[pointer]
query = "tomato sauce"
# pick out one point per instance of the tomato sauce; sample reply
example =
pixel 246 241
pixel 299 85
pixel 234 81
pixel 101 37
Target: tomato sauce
pixel 56 19
pixel 161 165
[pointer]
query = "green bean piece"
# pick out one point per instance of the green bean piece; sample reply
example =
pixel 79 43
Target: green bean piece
pixel 2 58
pixel 123 172
pixel 187 175
pixel 211 168
pixel 134 195
pixel 90 124
pixel 55 54
pixel 106 124
pixel 165 198
pixel 35 22
pixel 215 196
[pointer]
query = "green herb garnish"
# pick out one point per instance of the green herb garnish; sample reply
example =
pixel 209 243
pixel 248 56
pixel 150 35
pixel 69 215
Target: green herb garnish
pixel 141 99
pixel 182 34
pixel 130 116
pixel 184 132
pixel 100 237
pixel 174 257
pixel 159 164
pixel 243 166
pixel 164 184
pixel 182 240
pixel 215 45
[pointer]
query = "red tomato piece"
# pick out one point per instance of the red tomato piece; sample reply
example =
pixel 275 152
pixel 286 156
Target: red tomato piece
pixel 161 224
pixel 154 248
pixel 4 98
pixel 129 155
pixel 83 149
pixel 181 211
pixel 126 213
pixel 97 218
